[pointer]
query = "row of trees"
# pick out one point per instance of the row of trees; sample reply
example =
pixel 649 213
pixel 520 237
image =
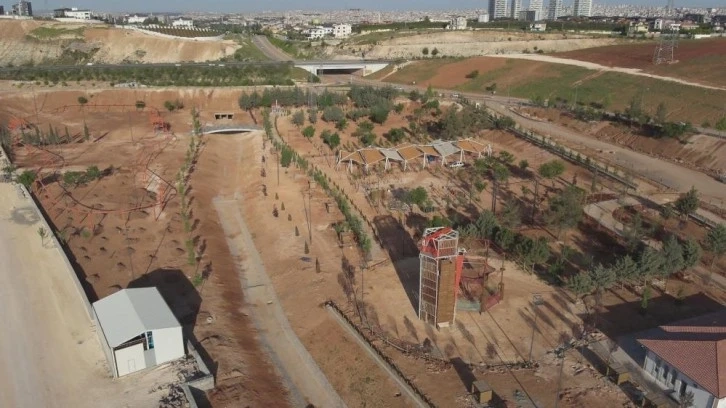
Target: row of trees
pixel 290 97
pixel 188 75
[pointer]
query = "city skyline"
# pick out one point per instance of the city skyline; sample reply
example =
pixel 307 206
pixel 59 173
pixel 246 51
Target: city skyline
pixel 281 5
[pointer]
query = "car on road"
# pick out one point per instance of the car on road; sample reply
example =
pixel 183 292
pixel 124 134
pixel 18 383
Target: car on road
pixel 456 165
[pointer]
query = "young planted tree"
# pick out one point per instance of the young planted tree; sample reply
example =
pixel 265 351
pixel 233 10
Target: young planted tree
pixel 140 105
pixel 602 278
pixel 308 132
pixel 672 258
pixel 313 115
pixel 687 203
pixel 27 178
pixel 511 215
pixel 565 210
pixel 523 165
pixel 626 270
pixel 650 264
pixel 692 253
pixel 82 100
pixel 551 170
pixel 716 243
pixel 42 233
pixel 298 118
pixel 581 285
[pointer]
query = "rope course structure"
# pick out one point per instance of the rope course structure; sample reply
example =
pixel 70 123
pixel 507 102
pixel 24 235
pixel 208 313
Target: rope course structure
pixel 50 165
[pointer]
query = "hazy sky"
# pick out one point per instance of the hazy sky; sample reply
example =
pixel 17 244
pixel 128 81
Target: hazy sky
pixel 247 5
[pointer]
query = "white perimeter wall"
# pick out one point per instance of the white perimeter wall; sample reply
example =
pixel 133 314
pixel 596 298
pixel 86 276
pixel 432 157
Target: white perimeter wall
pixel 130 359
pixel 168 344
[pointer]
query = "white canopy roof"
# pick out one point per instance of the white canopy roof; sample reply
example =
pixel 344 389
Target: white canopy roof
pixel 130 312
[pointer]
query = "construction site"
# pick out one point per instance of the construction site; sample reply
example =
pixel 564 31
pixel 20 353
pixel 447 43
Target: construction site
pixel 196 200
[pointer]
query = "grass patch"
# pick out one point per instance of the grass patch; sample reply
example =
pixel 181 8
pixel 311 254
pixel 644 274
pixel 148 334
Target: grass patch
pixel 247 50
pixel 296 49
pixel 382 73
pixel 419 71
pixel 530 79
pixel 374 38
pixel 49 33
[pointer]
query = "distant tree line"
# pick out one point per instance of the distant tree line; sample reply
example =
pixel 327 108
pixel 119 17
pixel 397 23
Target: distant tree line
pixel 189 75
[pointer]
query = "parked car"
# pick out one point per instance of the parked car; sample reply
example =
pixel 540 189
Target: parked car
pixel 456 165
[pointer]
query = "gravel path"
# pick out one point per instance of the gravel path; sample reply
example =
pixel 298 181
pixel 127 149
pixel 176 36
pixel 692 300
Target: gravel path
pixel 301 374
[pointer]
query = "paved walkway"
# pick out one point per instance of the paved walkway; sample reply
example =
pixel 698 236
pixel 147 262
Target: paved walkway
pixel 303 377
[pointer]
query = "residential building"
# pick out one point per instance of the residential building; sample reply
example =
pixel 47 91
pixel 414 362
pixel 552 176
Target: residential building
pixel 137 330
pixel 342 30
pixel 482 18
pixel 498 9
pixel 136 19
pixel 23 8
pixel 689 356
pixel 528 15
pixel 72 13
pixel 458 23
pixel 182 22
pixel 539 27
pixel 555 9
pixel 2 11
pixel 318 32
pixel 582 8
pixel 637 28
pixel 515 9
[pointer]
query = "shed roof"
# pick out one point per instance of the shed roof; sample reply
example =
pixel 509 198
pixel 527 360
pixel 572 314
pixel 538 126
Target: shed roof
pixel 391 154
pixel 445 148
pixel 131 312
pixel 429 151
pixel 472 146
pixel 371 155
pixel 696 347
pixel 409 152
pixel 355 157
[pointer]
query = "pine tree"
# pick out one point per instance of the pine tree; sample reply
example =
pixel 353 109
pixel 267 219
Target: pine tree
pixel 297 231
pixel 307 248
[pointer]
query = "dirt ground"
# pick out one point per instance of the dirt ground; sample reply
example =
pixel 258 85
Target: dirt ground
pixel 114 45
pixel 386 289
pixel 700 152
pixel 127 249
pixel 138 250
pixel 698 60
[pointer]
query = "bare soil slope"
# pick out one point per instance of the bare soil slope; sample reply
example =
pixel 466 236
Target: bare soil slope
pixel 472 43
pixel 23 42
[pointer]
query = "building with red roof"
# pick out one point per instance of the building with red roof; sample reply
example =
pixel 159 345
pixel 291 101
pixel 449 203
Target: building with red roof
pixel 690 356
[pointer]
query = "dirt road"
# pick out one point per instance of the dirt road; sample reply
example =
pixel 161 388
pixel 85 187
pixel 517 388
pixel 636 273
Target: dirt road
pixel 307 384
pixel 598 67
pixel 672 175
pixel 49 353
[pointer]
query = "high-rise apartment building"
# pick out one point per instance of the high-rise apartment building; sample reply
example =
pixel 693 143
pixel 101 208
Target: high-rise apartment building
pixel 497 9
pixel 555 9
pixel 23 8
pixel 583 8
pixel 536 6
pixel 515 9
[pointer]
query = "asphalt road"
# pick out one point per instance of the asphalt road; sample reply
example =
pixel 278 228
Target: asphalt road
pixel 270 51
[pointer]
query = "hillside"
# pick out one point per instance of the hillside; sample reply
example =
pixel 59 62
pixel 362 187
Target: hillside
pixel 25 42
pixel 463 43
